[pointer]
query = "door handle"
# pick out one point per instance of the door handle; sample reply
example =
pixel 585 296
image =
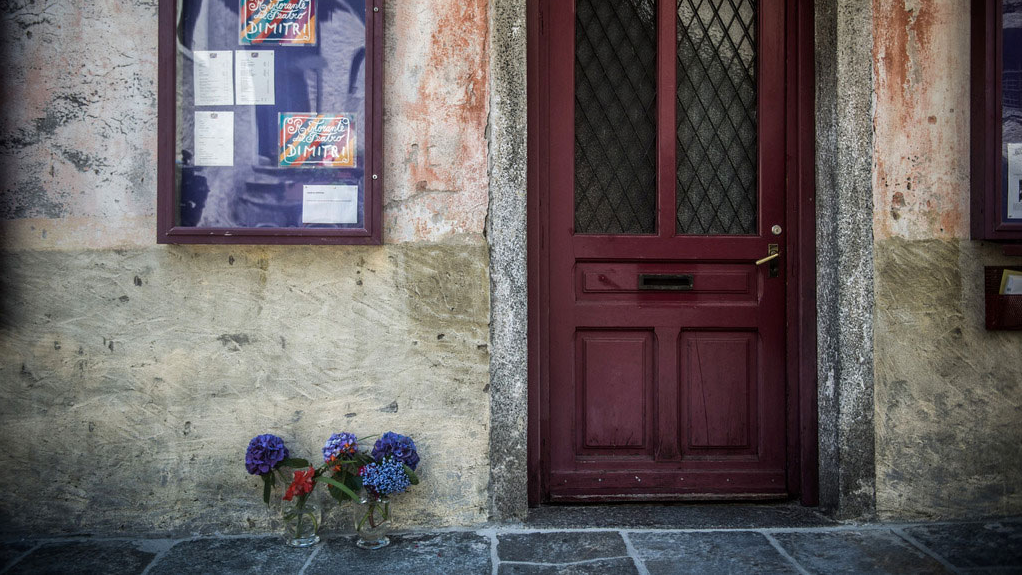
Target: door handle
pixel 772 252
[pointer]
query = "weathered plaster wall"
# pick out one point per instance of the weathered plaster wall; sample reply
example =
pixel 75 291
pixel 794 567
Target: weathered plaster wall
pixel 949 393
pixel 133 375
pixel 948 396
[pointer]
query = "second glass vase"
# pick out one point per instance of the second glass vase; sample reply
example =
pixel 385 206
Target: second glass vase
pixel 372 521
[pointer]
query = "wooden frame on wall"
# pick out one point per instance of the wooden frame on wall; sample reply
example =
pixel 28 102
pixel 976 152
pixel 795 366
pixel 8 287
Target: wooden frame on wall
pixel 993 217
pixel 321 87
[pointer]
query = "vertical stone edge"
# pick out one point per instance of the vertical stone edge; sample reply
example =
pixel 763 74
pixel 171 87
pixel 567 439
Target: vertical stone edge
pixel 506 235
pixel 845 267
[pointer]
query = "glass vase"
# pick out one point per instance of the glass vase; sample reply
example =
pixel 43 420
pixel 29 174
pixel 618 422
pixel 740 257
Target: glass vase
pixel 301 522
pixel 372 521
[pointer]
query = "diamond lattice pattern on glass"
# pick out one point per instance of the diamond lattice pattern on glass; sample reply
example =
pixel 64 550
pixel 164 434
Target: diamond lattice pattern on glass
pixel 716 156
pixel 615 117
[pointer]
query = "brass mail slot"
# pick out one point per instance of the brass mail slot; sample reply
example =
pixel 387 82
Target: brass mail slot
pixel 665 282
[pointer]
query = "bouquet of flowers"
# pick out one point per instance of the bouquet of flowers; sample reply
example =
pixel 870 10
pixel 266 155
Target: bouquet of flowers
pixel 388 469
pixel 266 457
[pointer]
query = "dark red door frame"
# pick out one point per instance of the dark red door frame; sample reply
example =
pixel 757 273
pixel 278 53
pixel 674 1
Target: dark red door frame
pixel 802 457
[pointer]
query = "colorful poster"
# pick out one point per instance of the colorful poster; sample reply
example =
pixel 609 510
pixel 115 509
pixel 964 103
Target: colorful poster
pixel 317 140
pixel 282 22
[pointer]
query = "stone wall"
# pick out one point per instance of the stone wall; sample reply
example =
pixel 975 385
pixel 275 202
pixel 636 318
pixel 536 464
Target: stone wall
pixel 133 374
pixel 948 396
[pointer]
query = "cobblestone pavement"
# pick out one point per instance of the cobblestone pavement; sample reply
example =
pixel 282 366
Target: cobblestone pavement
pixel 542 547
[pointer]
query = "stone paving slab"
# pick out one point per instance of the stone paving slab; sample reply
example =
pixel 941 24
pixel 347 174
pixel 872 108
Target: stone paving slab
pixel 677 516
pixel 451 553
pixel 560 547
pixel 738 552
pixel 867 551
pixel 11 550
pixel 618 566
pixel 231 556
pixel 970 547
pixel 986 544
pixel 85 557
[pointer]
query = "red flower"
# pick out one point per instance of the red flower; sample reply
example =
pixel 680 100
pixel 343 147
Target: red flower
pixel 302 484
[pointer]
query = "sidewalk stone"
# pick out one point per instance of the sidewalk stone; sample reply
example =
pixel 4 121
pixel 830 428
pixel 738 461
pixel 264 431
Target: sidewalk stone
pixel 85 557
pixel 981 544
pixel 993 546
pixel 873 551
pixel 723 552
pixel 560 547
pixel 230 556
pixel 453 553
pixel 679 516
pixel 619 566
pixel 11 550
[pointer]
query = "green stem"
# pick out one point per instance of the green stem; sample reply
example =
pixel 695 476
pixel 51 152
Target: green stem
pixel 370 515
pixel 298 515
pixel 299 506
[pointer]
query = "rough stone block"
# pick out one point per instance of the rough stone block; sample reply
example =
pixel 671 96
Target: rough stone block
pixel 422 554
pixel 562 547
pixel 850 552
pixel 668 553
pixel 968 545
pixel 683 516
pixel 11 550
pixel 228 556
pixel 619 566
pixel 85 557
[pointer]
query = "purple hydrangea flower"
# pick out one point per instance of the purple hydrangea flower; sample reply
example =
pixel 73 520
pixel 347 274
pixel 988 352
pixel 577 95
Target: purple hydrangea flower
pixel 398 446
pixel 340 444
pixel 264 453
pixel 384 477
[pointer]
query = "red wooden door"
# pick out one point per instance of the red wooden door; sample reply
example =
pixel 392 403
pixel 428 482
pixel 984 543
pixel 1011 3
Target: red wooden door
pixel 662 150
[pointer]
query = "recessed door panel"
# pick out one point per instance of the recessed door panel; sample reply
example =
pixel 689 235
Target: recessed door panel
pixel 615 371
pixel 719 375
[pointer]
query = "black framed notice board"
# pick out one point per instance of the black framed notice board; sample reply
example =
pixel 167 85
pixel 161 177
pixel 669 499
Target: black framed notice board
pixel 270 121
pixel 996 121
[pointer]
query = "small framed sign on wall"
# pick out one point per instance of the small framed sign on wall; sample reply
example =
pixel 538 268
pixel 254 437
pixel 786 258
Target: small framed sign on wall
pixel 270 121
pixel 996 170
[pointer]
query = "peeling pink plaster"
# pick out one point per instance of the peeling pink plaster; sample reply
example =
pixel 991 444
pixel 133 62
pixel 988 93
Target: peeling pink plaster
pixel 436 92
pixel 921 118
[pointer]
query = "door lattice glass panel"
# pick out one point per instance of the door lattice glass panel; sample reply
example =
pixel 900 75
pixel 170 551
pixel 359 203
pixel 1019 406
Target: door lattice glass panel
pixel 615 117
pixel 716 108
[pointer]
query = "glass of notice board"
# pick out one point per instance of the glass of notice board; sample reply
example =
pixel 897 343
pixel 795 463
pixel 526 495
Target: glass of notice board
pixel 270 121
pixel 1011 110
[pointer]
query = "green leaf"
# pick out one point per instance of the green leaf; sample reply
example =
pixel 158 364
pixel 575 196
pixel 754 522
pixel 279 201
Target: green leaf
pixel 295 462
pixel 354 482
pixel 411 475
pixel 337 494
pixel 338 485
